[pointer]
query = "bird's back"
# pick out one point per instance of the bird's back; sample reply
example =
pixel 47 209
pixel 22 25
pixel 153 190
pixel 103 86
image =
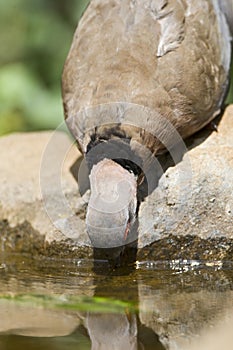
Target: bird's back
pixel 135 64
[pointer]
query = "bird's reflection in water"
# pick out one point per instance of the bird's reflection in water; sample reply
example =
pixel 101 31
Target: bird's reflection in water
pixel 119 330
pixel 119 261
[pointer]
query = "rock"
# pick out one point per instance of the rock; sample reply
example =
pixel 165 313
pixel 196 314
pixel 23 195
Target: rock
pixel 33 189
pixel 195 198
pixel 188 215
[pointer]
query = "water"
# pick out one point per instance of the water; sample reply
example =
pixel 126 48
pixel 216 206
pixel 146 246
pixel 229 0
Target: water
pixel 72 304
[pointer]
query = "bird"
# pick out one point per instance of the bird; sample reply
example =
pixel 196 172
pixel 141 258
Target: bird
pixel 140 75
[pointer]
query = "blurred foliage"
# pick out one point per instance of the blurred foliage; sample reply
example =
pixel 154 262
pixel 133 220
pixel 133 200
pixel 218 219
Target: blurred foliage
pixel 35 36
pixel 76 303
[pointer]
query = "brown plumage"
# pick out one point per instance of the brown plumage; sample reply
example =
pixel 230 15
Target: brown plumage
pixel 138 72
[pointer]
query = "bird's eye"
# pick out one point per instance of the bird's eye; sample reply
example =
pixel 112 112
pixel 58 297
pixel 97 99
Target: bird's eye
pixel 130 171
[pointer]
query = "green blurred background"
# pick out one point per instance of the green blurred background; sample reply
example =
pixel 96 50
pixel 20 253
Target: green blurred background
pixel 35 36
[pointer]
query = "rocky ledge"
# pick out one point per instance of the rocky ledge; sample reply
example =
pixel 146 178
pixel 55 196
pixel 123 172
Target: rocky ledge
pixel 189 215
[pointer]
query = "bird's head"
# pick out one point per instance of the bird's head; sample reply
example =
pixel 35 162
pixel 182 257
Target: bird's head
pixel 112 206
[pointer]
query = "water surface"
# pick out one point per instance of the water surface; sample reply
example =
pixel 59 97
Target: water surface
pixel 77 304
